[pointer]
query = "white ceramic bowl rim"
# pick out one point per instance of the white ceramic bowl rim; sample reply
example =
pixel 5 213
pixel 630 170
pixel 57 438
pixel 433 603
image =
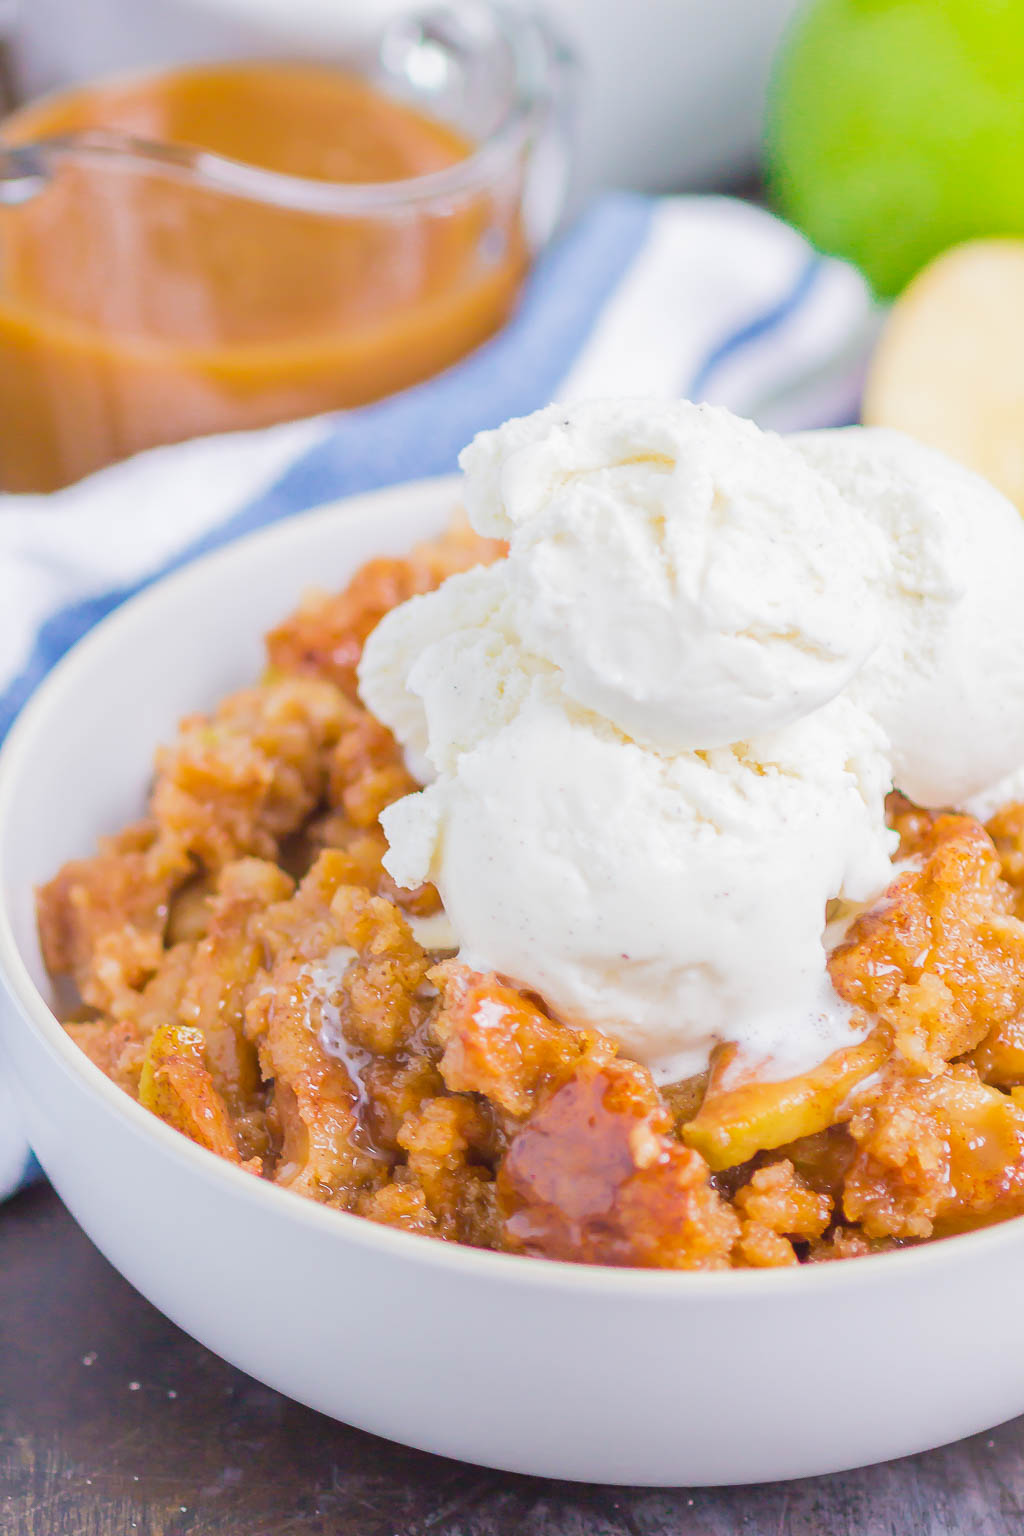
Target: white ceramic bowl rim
pixel 744 1285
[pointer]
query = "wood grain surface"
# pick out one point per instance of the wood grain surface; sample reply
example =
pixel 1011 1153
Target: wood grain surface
pixel 112 1422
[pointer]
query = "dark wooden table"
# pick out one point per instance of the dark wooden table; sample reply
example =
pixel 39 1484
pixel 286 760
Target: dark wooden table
pixel 112 1422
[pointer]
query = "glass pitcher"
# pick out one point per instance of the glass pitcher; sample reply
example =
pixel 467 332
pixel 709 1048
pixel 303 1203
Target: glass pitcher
pixel 152 291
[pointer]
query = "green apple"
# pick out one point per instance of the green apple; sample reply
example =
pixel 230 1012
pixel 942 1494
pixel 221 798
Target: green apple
pixel 896 128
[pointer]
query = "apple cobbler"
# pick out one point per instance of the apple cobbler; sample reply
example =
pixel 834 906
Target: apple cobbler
pixel 243 966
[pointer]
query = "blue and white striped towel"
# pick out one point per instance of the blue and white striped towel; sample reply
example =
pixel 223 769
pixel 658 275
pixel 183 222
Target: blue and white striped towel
pixel 705 297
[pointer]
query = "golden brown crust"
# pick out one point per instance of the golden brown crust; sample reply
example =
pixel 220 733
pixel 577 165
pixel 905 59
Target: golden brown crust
pixel 935 1155
pixel 324 637
pixel 365 848
pixel 240 781
pixel 386 998
pixel 595 1176
pixel 941 957
pixel 102 920
pixel 1006 830
pixel 499 1044
pixel 247 971
pixel 777 1208
pixel 779 1198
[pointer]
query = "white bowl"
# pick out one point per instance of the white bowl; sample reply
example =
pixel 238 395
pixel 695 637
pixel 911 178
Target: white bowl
pixel 554 1369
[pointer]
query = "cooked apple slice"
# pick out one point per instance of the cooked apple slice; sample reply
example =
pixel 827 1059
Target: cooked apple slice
pixel 735 1122
pixel 949 368
pixel 176 1085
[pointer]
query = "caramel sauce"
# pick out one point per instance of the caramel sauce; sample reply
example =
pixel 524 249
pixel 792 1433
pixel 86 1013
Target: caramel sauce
pixel 136 309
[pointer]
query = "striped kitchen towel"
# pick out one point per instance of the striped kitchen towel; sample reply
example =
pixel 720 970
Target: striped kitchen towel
pixel 705 297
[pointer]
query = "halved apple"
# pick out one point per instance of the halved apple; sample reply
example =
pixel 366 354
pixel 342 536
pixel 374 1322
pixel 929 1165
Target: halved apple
pixel 949 367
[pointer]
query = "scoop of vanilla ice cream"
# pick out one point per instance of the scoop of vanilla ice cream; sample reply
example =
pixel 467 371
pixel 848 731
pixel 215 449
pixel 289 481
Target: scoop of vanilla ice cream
pixel 946 682
pixel 441 670
pixel 694 580
pixel 671 901
pixel 672 897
